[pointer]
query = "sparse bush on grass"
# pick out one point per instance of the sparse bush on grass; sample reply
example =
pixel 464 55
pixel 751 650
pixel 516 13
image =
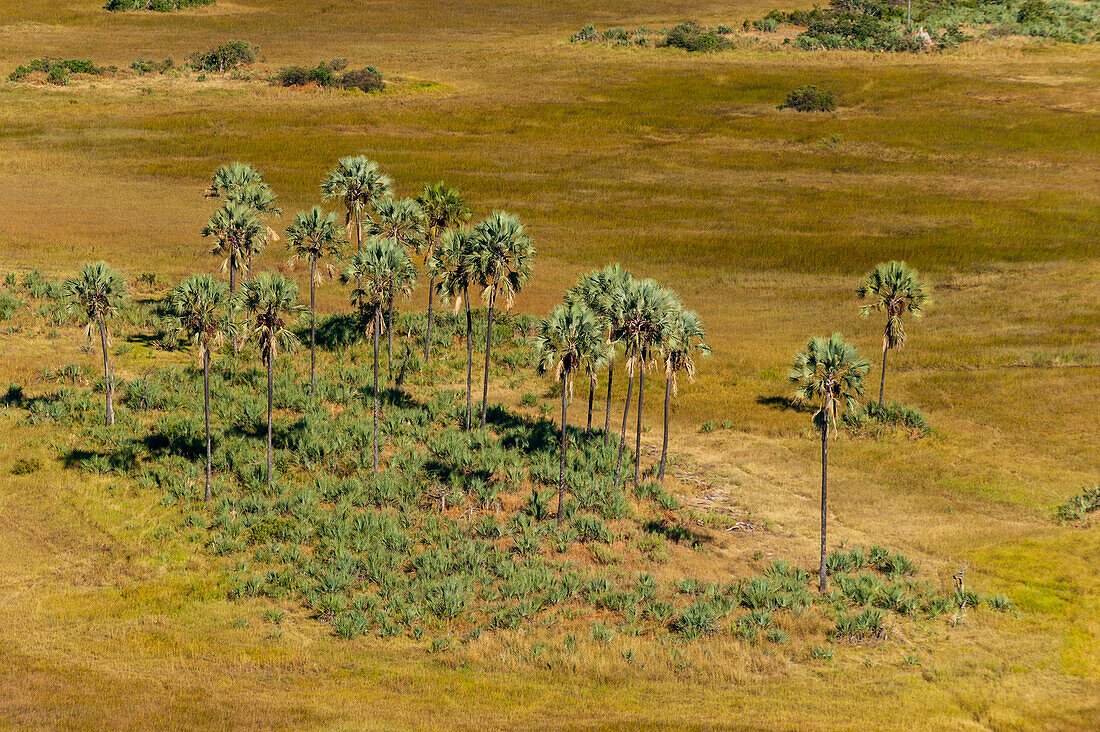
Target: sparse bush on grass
pixel 228 56
pixel 9 305
pixel 367 79
pixel 692 37
pixel 809 98
pixel 148 66
pixel 57 70
pixel 157 6
pixel 26 466
pixel 696 620
pixel 872 421
pixel 1079 506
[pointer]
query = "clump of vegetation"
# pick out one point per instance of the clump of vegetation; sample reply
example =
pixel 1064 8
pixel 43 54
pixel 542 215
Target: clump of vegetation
pixel 26 466
pixel 1076 508
pixel 57 70
pixel 157 6
pixel 809 98
pixel 325 74
pixel 874 420
pixel 693 37
pixel 148 66
pixel 9 305
pixel 225 57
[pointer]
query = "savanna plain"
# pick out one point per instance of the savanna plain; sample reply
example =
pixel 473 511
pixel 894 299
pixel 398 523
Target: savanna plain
pixel 122 608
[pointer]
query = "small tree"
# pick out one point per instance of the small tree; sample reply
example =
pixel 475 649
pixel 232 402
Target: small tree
pixel 270 299
pixel 686 340
pixel 358 183
pixel 201 303
pixel 313 234
pixel 235 229
pixel 829 373
pixel 501 255
pixel 451 267
pixel 895 289
pixel 443 209
pixel 568 338
pixel 97 293
pixel 402 221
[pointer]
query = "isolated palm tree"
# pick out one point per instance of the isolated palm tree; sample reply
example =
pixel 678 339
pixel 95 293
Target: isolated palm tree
pixel 567 339
pixel 270 300
pixel 829 373
pixel 313 235
pixel 646 322
pixel 896 289
pixel 399 219
pixel 380 266
pixel 603 292
pixel 232 177
pixel 358 183
pixel 235 230
pixel 97 293
pixel 443 209
pixel 686 340
pixel 450 267
pixel 501 255
pixel 201 303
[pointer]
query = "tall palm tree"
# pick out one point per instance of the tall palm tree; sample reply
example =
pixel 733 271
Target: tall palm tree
pixel 686 339
pixel 359 183
pixel 232 177
pixel 270 299
pixel 450 266
pixel 235 228
pixel 313 234
pixel 400 220
pixel 380 266
pixel 97 293
pixel 896 289
pixel 568 338
pixel 443 209
pixel 242 184
pixel 603 292
pixel 501 255
pixel 646 322
pixel 829 373
pixel 202 303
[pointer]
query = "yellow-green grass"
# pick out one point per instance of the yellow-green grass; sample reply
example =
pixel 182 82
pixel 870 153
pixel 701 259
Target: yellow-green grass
pixel 978 166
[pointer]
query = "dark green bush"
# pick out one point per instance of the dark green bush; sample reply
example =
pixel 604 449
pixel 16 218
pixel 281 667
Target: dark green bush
pixel 148 66
pixel 809 98
pixel 227 56
pixel 367 79
pixel 697 619
pixel 1076 508
pixel 158 6
pixel 25 466
pixel 692 37
pixel 57 70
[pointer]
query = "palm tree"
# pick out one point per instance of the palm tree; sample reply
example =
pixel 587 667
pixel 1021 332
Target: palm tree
pixel 382 265
pixel 603 292
pixel 646 322
pixel 686 339
pixel 500 255
pixel 313 234
pixel 400 220
pixel 443 209
pixel 98 292
pixel 450 267
pixel 896 289
pixel 201 303
pixel 357 182
pixel 269 299
pixel 242 184
pixel 232 177
pixel 235 229
pixel 829 373
pixel 568 338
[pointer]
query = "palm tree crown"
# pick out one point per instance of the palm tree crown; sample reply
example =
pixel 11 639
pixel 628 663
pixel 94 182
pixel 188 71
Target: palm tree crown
pixel 232 177
pixel 270 300
pixel 450 265
pixel 443 208
pixel 828 373
pixel 313 235
pixel 235 229
pixel 501 255
pixel 687 339
pixel 646 319
pixel 570 338
pixel 200 302
pixel 382 264
pixel 896 289
pixel 400 219
pixel 97 292
pixel 357 182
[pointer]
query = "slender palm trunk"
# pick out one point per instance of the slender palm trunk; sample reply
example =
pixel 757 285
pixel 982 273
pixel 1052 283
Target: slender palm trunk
pixel 206 412
pixel 824 502
pixel 270 392
pixel 664 440
pixel 389 333
pixel 591 396
pixel 428 333
pixel 488 353
pixel 564 445
pixel 469 356
pixel 377 326
pixel 108 380
pixel 622 430
pixel 312 327
pixel 638 429
pixel 248 266
pixel 359 242
pixel 882 378
pixel 232 275
pixel 607 413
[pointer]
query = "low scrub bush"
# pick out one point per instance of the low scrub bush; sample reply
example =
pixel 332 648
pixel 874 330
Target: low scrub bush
pixel 367 79
pixel 809 98
pixel 57 70
pixel 692 37
pixel 225 57
pixel 157 6
pixel 143 67
pixel 1076 508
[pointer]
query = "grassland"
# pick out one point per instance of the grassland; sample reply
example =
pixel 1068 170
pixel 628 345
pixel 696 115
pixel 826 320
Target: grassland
pixel 977 166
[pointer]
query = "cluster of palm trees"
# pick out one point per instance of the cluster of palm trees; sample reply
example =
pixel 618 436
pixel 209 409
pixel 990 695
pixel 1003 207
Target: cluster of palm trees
pixel 829 373
pixel 606 312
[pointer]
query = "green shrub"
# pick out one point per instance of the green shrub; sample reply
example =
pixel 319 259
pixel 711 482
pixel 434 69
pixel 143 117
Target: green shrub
pixel 57 71
pixel 696 620
pixel 225 57
pixel 692 37
pixel 809 98
pixel 158 6
pixel 367 79
pixel 591 528
pixel 9 305
pixel 26 466
pixel 148 66
pixel 1079 506
pixel 1034 11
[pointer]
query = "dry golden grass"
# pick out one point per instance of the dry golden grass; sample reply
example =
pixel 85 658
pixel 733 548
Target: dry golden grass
pixel 978 166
